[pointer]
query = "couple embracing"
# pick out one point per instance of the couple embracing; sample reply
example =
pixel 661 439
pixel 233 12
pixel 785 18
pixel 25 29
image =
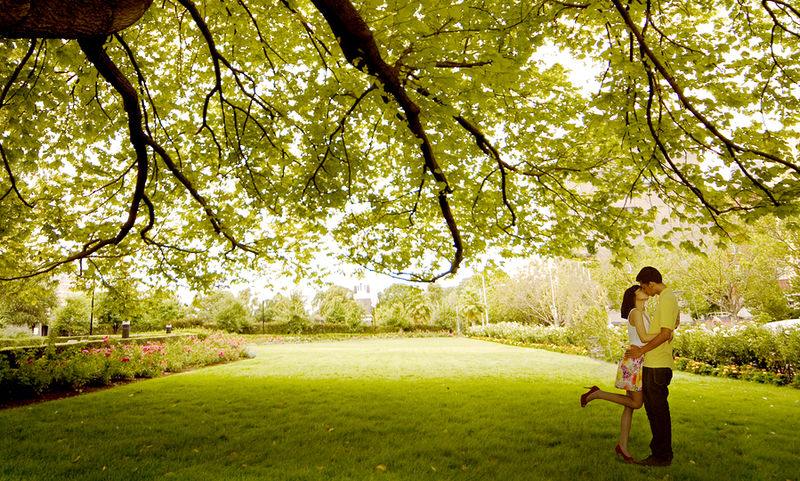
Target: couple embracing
pixel 646 369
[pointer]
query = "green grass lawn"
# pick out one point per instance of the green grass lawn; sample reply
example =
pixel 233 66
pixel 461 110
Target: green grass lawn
pixel 411 409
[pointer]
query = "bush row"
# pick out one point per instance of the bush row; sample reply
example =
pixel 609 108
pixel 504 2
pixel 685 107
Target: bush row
pixel 747 352
pixel 38 346
pixel 608 343
pixel 329 328
pixel 114 360
pixel 743 345
pixel 747 373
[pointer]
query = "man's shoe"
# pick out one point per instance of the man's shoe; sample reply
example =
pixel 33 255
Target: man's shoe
pixel 653 461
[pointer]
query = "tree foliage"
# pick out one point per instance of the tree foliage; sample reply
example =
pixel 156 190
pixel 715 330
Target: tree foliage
pixel 291 310
pixel 185 134
pixel 752 272
pixel 28 303
pixel 337 305
pixel 224 310
pixel 72 317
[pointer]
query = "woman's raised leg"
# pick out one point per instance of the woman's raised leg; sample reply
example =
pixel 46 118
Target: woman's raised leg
pixel 623 399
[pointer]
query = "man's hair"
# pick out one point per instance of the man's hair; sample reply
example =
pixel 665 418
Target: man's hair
pixel 649 274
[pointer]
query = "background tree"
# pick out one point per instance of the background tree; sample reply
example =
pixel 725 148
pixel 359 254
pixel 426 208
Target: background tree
pixel 470 303
pixel 403 306
pixel 291 310
pixel 412 134
pixel 28 303
pixel 263 313
pixel 752 270
pixel 119 300
pixel 745 274
pixel 223 310
pixel 554 292
pixel 337 305
pixel 72 317
pixel 162 308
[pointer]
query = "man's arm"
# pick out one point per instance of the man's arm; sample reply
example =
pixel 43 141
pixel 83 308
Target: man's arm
pixel 661 337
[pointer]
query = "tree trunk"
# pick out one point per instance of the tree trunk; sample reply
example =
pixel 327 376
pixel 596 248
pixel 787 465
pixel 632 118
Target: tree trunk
pixel 68 19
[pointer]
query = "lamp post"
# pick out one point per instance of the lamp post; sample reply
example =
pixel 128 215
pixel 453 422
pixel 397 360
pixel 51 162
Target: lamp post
pixel 91 311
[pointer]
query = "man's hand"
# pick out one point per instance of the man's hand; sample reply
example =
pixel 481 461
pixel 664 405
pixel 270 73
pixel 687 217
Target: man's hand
pixel 634 351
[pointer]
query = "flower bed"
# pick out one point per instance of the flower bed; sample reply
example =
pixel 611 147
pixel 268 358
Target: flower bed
pixel 113 361
pixel 764 355
pixel 566 349
pixel 746 373
pixel 606 343
pixel 747 352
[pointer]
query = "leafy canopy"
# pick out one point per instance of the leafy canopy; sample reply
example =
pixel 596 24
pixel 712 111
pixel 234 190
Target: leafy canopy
pixel 403 136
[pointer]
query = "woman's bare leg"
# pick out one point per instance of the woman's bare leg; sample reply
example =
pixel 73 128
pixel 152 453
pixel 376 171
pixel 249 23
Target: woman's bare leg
pixel 627 418
pixel 625 429
pixel 623 399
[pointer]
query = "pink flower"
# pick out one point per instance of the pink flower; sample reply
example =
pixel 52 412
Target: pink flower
pixel 125 359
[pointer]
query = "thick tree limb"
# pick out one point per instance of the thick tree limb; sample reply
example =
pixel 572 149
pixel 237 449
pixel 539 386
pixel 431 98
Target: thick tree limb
pixel 486 146
pixel 68 19
pixel 212 217
pixel 93 48
pixel 339 128
pixel 360 48
pixel 450 64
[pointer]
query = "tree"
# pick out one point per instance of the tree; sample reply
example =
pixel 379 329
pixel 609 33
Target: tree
pixel 745 274
pixel 224 310
pixel 120 301
pixel 291 310
pixel 412 135
pixel 162 308
pixel 337 305
pixel 553 292
pixel 72 317
pixel 29 302
pixel 404 306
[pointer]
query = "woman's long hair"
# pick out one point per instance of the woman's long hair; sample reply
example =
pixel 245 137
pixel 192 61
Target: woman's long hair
pixel 628 301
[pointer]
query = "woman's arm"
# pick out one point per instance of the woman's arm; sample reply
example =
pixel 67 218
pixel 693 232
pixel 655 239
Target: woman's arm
pixel 661 337
pixel 637 320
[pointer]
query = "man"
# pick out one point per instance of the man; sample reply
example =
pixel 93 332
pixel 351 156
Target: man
pixel 657 367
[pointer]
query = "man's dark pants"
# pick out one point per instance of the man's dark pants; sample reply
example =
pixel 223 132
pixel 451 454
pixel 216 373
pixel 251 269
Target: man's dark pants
pixel 655 387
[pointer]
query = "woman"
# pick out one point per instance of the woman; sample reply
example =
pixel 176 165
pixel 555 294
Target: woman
pixel 629 373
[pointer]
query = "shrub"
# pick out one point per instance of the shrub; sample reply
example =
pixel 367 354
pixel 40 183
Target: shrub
pixel 83 366
pixel 746 352
pixel 605 342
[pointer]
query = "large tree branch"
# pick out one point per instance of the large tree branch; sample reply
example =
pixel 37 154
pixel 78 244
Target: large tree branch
pixel 486 146
pixel 68 19
pixel 15 74
pixel 93 48
pixel 212 217
pixel 360 48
